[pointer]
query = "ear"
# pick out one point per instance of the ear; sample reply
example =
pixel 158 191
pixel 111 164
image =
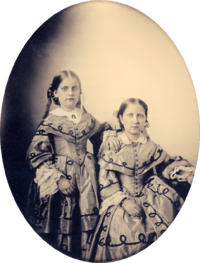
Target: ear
pixel 54 93
pixel 115 113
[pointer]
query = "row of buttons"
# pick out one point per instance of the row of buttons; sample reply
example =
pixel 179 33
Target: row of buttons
pixel 136 166
pixel 77 149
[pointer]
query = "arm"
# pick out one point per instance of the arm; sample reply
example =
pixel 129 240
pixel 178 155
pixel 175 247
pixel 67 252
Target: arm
pixel 171 168
pixel 179 169
pixel 102 132
pixel 40 157
pixel 111 194
pixel 110 190
pixel 113 167
pixel 111 140
pixel 50 180
pixel 46 178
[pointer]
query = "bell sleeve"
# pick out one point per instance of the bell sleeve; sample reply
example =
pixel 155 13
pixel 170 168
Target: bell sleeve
pixel 40 149
pixel 110 190
pixel 40 157
pixel 47 176
pixel 109 184
pixel 172 168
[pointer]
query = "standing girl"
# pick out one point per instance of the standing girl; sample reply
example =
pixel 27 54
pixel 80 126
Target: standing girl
pixel 64 197
pixel 138 204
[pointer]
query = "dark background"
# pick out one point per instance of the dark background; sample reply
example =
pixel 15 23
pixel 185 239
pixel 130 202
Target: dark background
pixel 180 19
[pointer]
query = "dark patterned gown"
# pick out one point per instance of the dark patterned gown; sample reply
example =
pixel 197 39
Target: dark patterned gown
pixel 59 149
pixel 132 173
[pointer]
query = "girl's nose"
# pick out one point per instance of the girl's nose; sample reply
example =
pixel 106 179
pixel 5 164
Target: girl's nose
pixel 135 119
pixel 70 91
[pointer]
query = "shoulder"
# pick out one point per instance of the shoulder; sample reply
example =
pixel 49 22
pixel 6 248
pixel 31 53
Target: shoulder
pixel 150 147
pixel 151 143
pixel 56 125
pixel 87 116
pixel 88 119
pixel 54 119
pixel 121 162
pixel 154 145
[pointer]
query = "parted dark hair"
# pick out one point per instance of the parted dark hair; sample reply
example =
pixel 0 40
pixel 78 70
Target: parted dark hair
pixel 125 104
pixel 58 78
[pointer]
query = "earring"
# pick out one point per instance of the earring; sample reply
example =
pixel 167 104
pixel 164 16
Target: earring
pixel 49 93
pixel 56 101
pixel 146 124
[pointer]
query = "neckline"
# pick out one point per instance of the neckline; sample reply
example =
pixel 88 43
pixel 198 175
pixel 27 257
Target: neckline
pixel 74 116
pixel 61 112
pixel 142 139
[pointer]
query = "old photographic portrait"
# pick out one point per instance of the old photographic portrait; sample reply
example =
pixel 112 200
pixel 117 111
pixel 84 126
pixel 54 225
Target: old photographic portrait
pixel 100 135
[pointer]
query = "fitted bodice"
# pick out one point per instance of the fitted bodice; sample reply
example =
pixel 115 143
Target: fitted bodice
pixel 76 151
pixel 128 169
pixel 132 185
pixel 59 136
pixel 133 160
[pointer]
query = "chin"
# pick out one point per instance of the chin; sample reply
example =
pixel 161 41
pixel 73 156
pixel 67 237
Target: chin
pixel 135 133
pixel 71 105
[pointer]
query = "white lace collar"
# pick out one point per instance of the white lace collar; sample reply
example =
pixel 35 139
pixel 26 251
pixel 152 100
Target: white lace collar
pixel 142 139
pixel 74 115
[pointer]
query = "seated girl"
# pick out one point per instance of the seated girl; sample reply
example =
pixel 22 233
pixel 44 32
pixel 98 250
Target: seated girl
pixel 137 203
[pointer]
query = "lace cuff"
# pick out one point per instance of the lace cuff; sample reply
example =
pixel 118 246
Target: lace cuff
pixel 114 199
pixel 181 173
pixel 47 176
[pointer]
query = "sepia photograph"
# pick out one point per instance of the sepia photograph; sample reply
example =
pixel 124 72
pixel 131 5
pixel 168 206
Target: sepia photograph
pixel 100 131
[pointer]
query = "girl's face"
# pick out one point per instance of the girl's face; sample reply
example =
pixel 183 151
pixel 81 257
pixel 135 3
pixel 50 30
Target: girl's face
pixel 133 119
pixel 68 93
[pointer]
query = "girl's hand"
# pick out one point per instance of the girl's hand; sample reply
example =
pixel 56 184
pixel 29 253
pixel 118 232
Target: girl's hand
pixel 113 143
pixel 106 126
pixel 132 209
pixel 65 187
